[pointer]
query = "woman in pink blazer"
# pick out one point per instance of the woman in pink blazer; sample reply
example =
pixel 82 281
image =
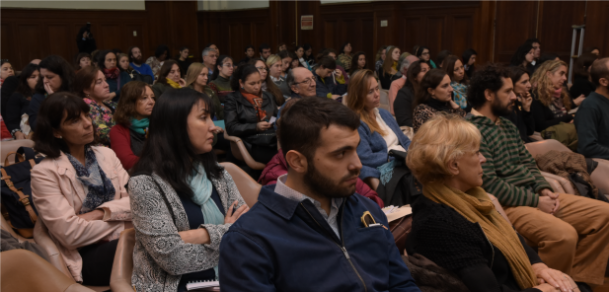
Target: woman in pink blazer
pixel 79 189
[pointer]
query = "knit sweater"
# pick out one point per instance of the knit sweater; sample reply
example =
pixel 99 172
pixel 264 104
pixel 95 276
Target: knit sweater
pixel 221 86
pixel 510 172
pixel 592 123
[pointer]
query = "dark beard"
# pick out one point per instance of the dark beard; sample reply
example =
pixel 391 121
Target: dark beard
pixel 137 61
pixel 499 110
pixel 325 187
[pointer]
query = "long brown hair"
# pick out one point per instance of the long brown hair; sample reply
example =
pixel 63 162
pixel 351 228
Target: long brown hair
pixel 388 64
pixel 543 87
pixel 432 79
pixel 449 66
pixel 127 104
pixel 356 99
pixel 193 73
pixel 270 85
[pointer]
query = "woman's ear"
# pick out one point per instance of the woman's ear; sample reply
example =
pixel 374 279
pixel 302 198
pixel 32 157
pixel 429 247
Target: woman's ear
pixel 430 91
pixel 296 161
pixel 453 167
pixel 240 83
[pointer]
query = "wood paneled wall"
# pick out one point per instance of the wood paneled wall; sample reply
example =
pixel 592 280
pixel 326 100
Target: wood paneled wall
pixel 494 28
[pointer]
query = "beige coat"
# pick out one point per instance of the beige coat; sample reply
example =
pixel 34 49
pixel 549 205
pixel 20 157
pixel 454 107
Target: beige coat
pixel 58 196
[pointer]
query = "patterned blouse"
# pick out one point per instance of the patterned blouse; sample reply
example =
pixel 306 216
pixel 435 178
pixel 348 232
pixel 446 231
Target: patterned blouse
pixel 155 65
pixel 424 112
pixel 102 119
pixel 460 91
pixel 345 61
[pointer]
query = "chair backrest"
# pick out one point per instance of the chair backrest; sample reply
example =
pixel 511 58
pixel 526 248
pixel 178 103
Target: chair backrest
pixel 542 147
pixel 122 268
pixel 384 99
pixel 42 238
pixel 7 147
pixel 248 187
pixel 7 227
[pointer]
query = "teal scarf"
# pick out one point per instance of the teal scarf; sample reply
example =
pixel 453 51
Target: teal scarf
pixel 202 188
pixel 139 126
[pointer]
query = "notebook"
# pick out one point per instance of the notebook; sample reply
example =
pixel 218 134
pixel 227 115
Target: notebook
pixel 209 285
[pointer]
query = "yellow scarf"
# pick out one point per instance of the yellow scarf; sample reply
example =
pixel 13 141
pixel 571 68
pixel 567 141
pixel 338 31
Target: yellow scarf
pixel 395 65
pixel 173 83
pixel 476 207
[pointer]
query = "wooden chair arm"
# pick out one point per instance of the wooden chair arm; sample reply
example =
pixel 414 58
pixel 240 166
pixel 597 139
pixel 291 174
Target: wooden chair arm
pixel 241 153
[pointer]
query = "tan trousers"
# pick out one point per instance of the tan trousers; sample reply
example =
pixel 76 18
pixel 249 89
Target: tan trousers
pixel 575 240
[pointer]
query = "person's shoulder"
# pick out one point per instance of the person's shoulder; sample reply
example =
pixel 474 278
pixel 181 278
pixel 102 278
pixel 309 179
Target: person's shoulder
pixel 105 152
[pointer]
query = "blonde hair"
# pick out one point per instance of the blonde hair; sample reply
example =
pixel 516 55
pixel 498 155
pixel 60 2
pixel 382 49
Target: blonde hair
pixel 542 85
pixel 272 59
pixel 193 72
pixel 357 93
pixel 439 141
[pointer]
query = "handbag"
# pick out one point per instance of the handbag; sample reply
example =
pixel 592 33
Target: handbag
pixel 16 190
pixel 141 77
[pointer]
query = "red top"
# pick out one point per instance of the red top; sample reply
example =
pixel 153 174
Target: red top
pixel 6 134
pixel 120 140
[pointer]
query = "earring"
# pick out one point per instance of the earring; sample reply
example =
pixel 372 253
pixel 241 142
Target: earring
pixel 241 87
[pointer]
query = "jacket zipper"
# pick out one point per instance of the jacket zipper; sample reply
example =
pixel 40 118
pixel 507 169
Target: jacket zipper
pixel 343 248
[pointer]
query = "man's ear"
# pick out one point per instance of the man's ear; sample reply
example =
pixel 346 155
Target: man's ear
pixel 604 82
pixel 296 161
pixel 489 95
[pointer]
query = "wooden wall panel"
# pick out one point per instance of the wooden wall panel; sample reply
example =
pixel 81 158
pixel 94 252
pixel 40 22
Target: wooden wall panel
pixel 460 32
pixel 7 42
pixel 555 36
pixel 515 23
pixel 597 26
pixel 30 45
pixel 61 42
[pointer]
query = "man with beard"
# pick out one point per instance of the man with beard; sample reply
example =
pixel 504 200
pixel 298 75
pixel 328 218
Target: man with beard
pixel 571 232
pixel 310 231
pixel 137 63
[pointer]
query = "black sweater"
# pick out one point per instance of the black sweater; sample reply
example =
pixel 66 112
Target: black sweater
pixel 544 117
pixel 402 106
pixel 448 239
pixel 17 105
pixel 524 122
pixel 581 85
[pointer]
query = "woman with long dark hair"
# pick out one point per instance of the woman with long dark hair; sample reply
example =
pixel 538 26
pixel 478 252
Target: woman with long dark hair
pixel 469 61
pixel 359 62
pixel 169 77
pixel 459 81
pixel 435 95
pixel 220 80
pixel 16 117
pixel 107 63
pixel 403 105
pixel 182 199
pixel 423 53
pixel 521 111
pixel 525 54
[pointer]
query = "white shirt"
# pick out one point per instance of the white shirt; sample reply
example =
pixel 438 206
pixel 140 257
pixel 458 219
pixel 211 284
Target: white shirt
pixel 393 143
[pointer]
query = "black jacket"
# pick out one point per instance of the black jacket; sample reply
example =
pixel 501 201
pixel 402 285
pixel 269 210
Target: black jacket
pixel 17 105
pixel 240 119
pixel 448 239
pixel 581 85
pixel 544 117
pixel 87 45
pixel 402 106
pixel 524 122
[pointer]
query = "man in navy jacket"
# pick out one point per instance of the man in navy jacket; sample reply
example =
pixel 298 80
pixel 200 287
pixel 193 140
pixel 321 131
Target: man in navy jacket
pixel 329 85
pixel 306 233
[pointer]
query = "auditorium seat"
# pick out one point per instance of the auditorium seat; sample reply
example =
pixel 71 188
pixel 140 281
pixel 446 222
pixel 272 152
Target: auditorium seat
pixel 12 146
pixel 384 100
pixel 248 187
pixel 240 152
pixel 7 227
pixel 122 268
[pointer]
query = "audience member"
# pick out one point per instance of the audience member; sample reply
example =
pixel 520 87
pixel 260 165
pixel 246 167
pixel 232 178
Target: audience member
pixel 534 42
pixel 220 80
pixel 16 118
pixel 56 75
pixel 78 189
pixel 197 79
pixel 551 101
pixel 440 58
pixel 82 60
pixel 137 62
pixel 267 85
pixel 115 78
pixel 183 60
pixel 469 61
pixel 389 71
pixel 359 64
pixel 214 47
pixel 571 232
pixel 330 82
pixel 248 112
pixel 169 77
pixel 332 54
pixel 456 225
pixel 128 136
pixel 582 86
pixel 123 64
pixel 520 114
pixel 180 210
pixel 592 119
pixel 10 85
pixel 210 56
pixel 404 101
pixel 458 80
pixel 378 131
pixel 319 139
pixel 249 54
pixel 345 58
pixel 286 59
pixel 397 84
pixel 524 56
pixel 282 47
pixel 85 41
pixel 6 70
pixel 91 85
pixel 435 95
pixel 300 56
pixel 275 66
pixel 423 53
pixel 295 62
pixel 308 54
pixel 265 51
pixel 156 62
pixel 380 59
pixel 302 83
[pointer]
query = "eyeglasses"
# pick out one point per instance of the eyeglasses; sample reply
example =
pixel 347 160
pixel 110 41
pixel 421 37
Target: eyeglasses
pixel 306 81
pixel 261 68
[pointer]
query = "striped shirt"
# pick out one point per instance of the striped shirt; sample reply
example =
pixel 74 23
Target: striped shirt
pixel 510 172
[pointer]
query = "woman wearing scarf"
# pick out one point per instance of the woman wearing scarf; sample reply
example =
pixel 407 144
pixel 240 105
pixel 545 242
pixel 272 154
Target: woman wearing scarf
pixel 248 112
pixel 169 77
pixel 182 201
pixel 78 190
pixel 455 223
pixel 127 137
pixel 90 84
pixel 115 78
pixel 551 101
pixel 434 95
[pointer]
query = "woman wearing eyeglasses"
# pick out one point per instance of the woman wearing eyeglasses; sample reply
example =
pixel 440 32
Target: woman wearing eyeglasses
pixel 423 53
pixel 220 80
pixel 267 84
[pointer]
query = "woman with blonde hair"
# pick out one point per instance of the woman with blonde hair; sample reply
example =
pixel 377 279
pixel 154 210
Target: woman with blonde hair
pixel 275 65
pixel 455 223
pixel 551 101
pixel 389 71
pixel 197 78
pixel 379 132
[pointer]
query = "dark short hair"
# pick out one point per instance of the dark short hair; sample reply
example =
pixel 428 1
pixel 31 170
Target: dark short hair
pixel 432 79
pixel 290 80
pixel 583 62
pixel 599 70
pixel 284 54
pixel 531 41
pixel 127 104
pixel 467 54
pixel 23 87
pixel 489 77
pixel 419 51
pixel 164 71
pixel 299 126
pixel 441 56
pixel 80 57
pixel 131 52
pixel 50 118
pixel 342 48
pixel 264 46
pixel 248 47
pixel 59 66
pixel 160 50
pixel 168 151
pixel 101 59
pixel 241 74
pixel 413 70
pixel 327 63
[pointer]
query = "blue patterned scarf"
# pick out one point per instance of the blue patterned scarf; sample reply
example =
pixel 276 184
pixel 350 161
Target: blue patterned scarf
pixel 460 91
pixel 99 187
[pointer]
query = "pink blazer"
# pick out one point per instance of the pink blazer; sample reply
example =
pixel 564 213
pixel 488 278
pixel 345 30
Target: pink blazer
pixel 58 196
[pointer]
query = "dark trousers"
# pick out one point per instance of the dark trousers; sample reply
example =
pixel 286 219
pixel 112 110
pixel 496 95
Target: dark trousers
pixel 263 154
pixel 97 260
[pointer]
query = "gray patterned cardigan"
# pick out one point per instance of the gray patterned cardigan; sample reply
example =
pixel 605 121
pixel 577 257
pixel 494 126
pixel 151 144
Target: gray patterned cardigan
pixel 160 257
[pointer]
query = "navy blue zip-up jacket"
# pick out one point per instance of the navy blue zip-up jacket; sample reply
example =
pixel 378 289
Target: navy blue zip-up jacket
pixel 284 245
